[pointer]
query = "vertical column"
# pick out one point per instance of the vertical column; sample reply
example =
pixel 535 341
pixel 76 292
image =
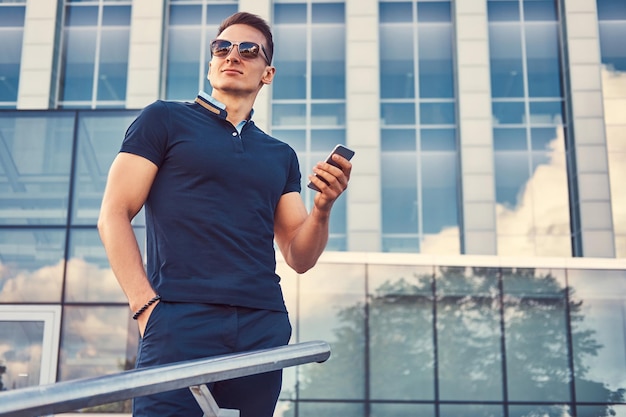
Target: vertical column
pixel 593 205
pixel 363 125
pixel 262 106
pixel 475 128
pixel 144 54
pixel 38 53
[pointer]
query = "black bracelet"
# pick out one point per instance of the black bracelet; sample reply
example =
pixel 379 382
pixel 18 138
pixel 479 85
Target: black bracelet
pixel 145 306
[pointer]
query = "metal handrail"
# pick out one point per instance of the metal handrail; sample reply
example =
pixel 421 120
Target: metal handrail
pixel 88 392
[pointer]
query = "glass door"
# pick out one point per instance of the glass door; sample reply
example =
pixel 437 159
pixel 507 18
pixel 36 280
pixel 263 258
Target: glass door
pixel 29 345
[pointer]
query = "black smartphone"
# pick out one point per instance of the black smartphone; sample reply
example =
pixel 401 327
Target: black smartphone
pixel 339 149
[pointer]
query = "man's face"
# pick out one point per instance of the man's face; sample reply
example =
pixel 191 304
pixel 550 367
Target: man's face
pixel 234 75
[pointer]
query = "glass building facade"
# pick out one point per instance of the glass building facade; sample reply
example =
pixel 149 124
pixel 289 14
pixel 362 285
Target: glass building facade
pixel 476 264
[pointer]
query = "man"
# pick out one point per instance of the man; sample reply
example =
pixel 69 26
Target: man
pixel 217 192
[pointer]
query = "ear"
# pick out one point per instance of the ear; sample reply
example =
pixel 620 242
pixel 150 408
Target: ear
pixel 268 75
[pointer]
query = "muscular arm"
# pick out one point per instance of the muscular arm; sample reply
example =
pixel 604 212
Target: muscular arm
pixel 128 184
pixel 302 236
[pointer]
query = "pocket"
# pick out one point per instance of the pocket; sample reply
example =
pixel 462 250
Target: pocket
pixel 153 318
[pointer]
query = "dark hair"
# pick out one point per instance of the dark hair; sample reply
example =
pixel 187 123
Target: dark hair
pixel 257 22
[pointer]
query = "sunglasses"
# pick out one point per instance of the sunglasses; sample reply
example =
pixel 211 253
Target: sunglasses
pixel 247 50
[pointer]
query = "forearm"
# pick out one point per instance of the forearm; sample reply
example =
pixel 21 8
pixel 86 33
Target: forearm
pixel 125 259
pixel 309 241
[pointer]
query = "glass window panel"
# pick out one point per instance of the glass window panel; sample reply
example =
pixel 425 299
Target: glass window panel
pixel 20 353
pixel 332 310
pixel 289 115
pixel 401 244
pixel 96 341
pixel 507 69
pixel 439 191
pixel 397 72
pixel 437 113
pixel 536 339
pixel 78 64
pixel 215 13
pixel 396 12
pixel 182 63
pixel 289 13
pixel 436 69
pixel 12 16
pixel 81 15
pixel 326 139
pixel 599 334
pixel 328 13
pixel 540 10
pixel 399 192
pixel 397 114
pixel 434 12
pixel 438 139
pixel 541 410
pixel 89 276
pixel 511 172
pixel 468 334
pixel 612 50
pixel 508 112
pixel 472 410
pixel 401 338
pixel 31 265
pixel 398 140
pixel 116 15
pixel 35 163
pixel 12 34
pixel 320 409
pixel 328 66
pixel 545 139
pixel 503 11
pixel 611 10
pixel 328 114
pixel 402 410
pixel 290 58
pixel 185 15
pixel 112 74
pixel 544 71
pixel 601 410
pixel 295 138
pixel 337 240
pixel 99 140
pixel 546 112
pixel 510 139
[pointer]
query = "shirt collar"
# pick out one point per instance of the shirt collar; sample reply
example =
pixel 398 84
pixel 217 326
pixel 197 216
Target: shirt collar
pixel 210 99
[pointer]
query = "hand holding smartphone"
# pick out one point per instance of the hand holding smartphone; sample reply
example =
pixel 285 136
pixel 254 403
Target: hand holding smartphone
pixel 340 150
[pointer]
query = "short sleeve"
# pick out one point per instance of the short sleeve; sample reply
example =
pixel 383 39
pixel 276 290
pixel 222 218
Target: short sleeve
pixel 147 135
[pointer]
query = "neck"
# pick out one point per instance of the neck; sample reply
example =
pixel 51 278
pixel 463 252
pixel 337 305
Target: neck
pixel 237 107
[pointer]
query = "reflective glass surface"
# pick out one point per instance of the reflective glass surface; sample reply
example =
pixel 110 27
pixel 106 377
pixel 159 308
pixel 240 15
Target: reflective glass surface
pixel 469 334
pixel 99 140
pixel 401 343
pixel 612 28
pixel 35 165
pixel 419 161
pixel 31 265
pixel 12 34
pixel 333 311
pixel 536 339
pixel 94 57
pixel 96 341
pixel 599 334
pixel 309 91
pixel 532 195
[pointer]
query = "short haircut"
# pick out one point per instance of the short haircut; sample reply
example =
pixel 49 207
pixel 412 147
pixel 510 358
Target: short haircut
pixel 252 20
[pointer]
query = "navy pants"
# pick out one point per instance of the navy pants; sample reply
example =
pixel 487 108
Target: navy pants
pixel 181 331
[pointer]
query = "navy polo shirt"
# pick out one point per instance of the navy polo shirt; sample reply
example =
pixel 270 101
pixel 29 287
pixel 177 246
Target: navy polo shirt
pixel 210 211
